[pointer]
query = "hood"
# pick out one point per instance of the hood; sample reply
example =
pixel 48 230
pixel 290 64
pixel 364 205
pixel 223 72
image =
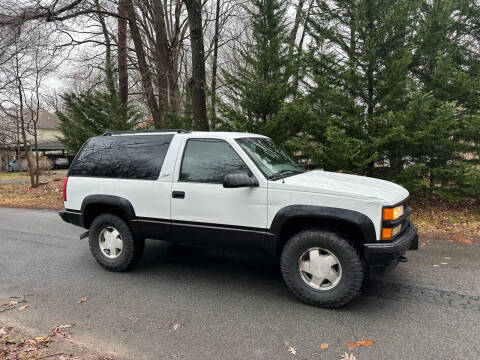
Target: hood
pixel 353 186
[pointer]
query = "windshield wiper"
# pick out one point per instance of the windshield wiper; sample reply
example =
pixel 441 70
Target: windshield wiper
pixel 284 173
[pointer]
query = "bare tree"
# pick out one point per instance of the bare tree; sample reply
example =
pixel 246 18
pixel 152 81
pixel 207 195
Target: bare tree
pixel 29 62
pixel 122 52
pixel 198 80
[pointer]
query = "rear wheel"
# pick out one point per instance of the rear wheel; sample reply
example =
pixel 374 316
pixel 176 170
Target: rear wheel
pixel 112 243
pixel 322 268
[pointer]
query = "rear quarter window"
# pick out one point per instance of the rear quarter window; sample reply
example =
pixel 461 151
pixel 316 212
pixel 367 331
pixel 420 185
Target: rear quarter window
pixel 123 157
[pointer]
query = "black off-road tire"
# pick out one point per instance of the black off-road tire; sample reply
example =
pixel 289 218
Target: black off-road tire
pixel 132 248
pixel 353 268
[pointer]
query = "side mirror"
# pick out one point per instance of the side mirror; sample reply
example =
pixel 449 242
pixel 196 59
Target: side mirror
pixel 239 180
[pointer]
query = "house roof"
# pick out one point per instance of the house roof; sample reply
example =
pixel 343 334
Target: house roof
pixel 47 121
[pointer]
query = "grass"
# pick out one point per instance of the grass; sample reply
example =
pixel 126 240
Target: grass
pixel 12 175
pixel 24 174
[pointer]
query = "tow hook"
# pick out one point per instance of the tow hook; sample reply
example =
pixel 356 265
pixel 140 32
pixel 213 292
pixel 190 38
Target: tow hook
pixel 403 258
pixel 84 235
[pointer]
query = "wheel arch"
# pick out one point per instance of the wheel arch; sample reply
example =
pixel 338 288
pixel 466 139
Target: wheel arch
pixel 292 219
pixel 94 205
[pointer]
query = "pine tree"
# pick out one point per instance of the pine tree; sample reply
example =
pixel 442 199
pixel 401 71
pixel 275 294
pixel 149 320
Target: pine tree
pixel 394 92
pixel 259 85
pixel 359 62
pixel 92 113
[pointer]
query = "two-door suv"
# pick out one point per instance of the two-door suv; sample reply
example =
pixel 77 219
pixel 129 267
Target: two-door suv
pixel 236 190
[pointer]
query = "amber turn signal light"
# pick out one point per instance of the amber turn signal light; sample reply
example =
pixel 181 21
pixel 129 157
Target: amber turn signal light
pixel 392 213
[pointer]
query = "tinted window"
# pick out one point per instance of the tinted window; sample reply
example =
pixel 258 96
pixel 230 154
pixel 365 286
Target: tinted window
pixel 209 161
pixel 125 157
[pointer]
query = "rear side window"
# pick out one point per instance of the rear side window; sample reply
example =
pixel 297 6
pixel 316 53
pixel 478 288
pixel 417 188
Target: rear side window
pixel 124 157
pixel 209 160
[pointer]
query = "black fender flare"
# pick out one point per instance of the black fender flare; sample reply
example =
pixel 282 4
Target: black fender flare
pixel 108 200
pixel 324 213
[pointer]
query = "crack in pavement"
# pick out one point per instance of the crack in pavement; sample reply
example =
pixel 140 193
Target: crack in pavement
pixel 393 291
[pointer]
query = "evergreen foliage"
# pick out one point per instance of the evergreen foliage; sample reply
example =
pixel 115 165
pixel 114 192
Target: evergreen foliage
pixel 259 86
pixel 391 89
pixel 94 112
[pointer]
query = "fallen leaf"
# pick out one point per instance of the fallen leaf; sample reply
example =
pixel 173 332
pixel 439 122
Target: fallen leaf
pixel 65 326
pixel 291 349
pixel 460 247
pixel 447 258
pixel 82 300
pixel 444 263
pixel 38 339
pixel 348 357
pixel 12 303
pixel 58 331
pixel 324 346
pixel 436 265
pixel 364 342
pixel 464 240
pixel 23 307
pixel 176 326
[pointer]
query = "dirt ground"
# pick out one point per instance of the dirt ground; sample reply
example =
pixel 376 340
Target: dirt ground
pixel 18 342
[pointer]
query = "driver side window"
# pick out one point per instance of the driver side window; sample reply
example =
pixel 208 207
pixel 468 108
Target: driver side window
pixel 209 161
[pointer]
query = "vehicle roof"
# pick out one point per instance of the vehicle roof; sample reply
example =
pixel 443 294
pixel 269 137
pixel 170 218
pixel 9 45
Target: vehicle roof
pixel 204 134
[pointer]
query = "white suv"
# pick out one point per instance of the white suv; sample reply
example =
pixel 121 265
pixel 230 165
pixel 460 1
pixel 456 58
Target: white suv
pixel 236 190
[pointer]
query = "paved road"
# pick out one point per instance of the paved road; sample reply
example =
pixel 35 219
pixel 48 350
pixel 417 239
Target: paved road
pixel 232 306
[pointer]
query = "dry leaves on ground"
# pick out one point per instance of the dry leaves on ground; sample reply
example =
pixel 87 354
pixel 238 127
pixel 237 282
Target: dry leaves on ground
pixel 348 357
pixel 291 349
pixel 324 346
pixel 12 304
pixel 59 331
pixel 440 217
pixel 82 300
pixel 12 349
pixel 364 342
pixel 176 327
pixel 46 196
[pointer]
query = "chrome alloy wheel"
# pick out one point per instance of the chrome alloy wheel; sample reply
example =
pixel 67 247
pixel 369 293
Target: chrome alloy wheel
pixel 320 268
pixel 110 242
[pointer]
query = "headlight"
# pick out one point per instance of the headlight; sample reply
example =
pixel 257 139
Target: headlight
pixel 392 213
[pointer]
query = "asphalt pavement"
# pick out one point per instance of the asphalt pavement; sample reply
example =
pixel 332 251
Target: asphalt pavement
pixel 230 305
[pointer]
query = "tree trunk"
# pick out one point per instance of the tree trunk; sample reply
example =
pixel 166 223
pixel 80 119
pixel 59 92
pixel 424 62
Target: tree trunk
pixel 143 66
pixel 296 24
pixel 122 52
pixel 24 135
pixel 162 55
pixel 37 157
pixel 214 65
pixel 197 81
pixel 17 121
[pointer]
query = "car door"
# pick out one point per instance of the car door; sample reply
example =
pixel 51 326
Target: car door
pixel 203 212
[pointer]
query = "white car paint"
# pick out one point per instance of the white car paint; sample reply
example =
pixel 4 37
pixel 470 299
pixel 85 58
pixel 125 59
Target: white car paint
pixel 249 207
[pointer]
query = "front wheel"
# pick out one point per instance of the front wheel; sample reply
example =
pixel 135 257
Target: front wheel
pixel 322 268
pixel 112 243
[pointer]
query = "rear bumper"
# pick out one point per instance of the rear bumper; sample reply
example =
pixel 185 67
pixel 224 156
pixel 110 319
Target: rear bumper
pixel 383 254
pixel 72 217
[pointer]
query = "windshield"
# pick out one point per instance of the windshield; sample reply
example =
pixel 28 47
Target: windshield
pixel 273 161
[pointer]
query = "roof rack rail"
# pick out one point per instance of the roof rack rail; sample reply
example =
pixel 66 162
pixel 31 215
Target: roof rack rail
pixel 178 131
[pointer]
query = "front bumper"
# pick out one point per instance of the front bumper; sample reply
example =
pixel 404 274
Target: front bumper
pixel 384 254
